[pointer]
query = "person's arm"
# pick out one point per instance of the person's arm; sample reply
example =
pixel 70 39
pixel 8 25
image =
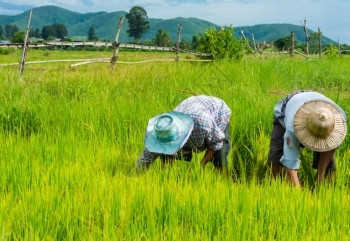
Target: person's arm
pixel 290 159
pixel 145 159
pixel 214 140
pixel 292 176
pixel 325 159
pixel 207 157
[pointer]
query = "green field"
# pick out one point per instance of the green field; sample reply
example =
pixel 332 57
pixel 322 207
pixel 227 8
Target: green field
pixel 70 138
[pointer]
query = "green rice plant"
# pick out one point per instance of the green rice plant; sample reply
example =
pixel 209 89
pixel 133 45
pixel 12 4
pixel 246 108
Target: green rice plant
pixel 68 152
pixel 6 51
pixel 19 121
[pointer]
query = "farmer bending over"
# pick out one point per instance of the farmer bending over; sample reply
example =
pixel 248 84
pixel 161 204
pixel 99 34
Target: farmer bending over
pixel 306 119
pixel 199 123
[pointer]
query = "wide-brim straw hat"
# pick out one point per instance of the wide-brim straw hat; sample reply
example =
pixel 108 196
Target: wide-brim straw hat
pixel 320 125
pixel 168 132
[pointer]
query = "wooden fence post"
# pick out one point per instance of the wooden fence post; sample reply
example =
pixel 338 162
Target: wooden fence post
pixel 291 50
pixel 307 39
pixel 116 43
pixel 178 42
pixel 320 42
pixel 24 52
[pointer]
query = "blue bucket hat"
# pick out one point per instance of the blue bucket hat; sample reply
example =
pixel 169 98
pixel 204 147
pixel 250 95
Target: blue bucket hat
pixel 168 132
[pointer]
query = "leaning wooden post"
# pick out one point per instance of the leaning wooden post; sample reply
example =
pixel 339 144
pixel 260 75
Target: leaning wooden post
pixel 245 39
pixel 255 50
pixel 25 45
pixel 291 44
pixel 178 42
pixel 320 42
pixel 307 39
pixel 116 43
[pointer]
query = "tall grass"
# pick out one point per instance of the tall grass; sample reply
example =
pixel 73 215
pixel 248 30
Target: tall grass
pixel 70 137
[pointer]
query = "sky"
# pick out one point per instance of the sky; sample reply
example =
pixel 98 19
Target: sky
pixel 331 16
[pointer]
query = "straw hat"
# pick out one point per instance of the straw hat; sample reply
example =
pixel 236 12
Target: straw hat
pixel 319 125
pixel 168 132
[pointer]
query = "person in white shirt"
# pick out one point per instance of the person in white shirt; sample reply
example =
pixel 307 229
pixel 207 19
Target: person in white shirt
pixel 305 119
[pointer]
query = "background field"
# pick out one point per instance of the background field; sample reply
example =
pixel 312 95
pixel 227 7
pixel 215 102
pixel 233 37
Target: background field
pixel 70 137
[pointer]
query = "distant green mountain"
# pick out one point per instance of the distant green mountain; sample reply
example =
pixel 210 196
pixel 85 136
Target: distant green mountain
pixel 105 25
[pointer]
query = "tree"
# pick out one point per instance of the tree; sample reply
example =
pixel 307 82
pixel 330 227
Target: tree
pixel 34 33
pixel 18 37
pixel 185 44
pixel 31 33
pixel 91 34
pixel 282 43
pixel 1 32
pixel 194 43
pixel 47 31
pixel 10 30
pixel 163 38
pixel 37 33
pixel 138 24
pixel 221 43
pixel 60 30
pixel 57 30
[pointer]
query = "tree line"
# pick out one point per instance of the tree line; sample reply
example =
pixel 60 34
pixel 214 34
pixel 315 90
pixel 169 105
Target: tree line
pixel 48 32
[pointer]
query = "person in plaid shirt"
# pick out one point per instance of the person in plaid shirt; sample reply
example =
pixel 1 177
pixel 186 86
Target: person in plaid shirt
pixel 199 123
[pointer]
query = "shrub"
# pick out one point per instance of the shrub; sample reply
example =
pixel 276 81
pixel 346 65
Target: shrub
pixel 221 44
pixel 332 52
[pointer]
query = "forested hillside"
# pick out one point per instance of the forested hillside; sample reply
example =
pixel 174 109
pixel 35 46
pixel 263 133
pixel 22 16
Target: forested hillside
pixel 105 25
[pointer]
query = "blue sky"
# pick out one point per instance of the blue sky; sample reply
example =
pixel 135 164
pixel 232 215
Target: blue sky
pixel 331 16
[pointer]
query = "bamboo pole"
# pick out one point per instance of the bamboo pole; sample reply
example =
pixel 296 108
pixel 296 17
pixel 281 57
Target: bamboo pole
pixel 247 41
pixel 178 42
pixel 291 51
pixel 306 37
pixel 24 52
pixel 255 50
pixel 242 33
pixel 320 42
pixel 99 44
pixel 102 60
pixel 116 43
pixel 301 54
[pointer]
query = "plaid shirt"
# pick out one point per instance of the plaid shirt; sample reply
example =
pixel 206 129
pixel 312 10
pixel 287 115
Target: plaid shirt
pixel 288 97
pixel 210 115
pixel 280 108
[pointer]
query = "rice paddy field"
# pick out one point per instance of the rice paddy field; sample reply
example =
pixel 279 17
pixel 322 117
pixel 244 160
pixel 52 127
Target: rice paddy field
pixel 70 137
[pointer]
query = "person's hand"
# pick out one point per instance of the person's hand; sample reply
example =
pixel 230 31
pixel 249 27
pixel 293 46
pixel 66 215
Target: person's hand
pixel 325 159
pixel 204 162
pixel 292 176
pixel 207 157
